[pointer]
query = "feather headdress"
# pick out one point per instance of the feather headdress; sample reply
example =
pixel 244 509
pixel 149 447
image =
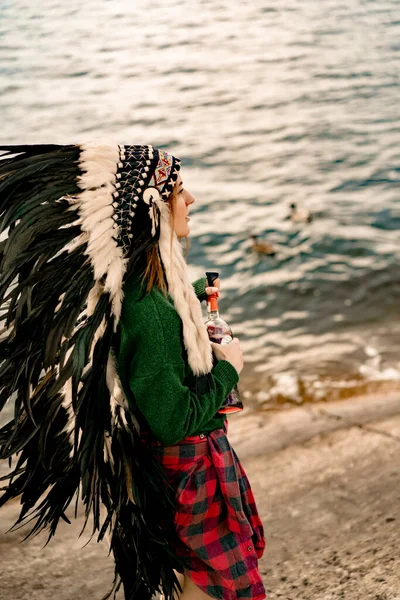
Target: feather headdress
pixel 72 218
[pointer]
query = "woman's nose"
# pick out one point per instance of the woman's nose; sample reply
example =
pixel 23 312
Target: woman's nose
pixel 189 199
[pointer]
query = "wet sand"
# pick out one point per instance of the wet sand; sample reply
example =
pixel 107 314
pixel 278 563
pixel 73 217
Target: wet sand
pixel 327 483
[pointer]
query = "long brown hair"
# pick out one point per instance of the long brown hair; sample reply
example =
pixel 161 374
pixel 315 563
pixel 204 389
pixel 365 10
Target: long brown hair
pixel 154 275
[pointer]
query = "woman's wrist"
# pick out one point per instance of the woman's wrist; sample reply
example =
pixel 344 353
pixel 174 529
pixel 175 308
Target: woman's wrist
pixel 225 369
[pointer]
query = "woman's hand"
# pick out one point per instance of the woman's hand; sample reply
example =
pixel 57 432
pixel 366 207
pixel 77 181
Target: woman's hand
pixel 231 352
pixel 215 289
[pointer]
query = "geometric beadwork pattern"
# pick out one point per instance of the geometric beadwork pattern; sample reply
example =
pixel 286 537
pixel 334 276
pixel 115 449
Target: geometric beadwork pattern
pixel 141 168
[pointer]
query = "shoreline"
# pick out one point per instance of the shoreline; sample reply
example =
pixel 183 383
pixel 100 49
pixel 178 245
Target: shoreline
pixel 291 390
pixel 327 488
pixel 282 428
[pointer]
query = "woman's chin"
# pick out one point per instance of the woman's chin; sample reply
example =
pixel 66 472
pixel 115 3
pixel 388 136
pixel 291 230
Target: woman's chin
pixel 184 232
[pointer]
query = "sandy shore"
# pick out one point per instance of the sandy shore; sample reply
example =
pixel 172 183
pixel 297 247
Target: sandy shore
pixel 327 483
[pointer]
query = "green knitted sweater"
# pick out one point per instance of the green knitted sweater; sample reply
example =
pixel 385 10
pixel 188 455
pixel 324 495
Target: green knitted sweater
pixel 154 370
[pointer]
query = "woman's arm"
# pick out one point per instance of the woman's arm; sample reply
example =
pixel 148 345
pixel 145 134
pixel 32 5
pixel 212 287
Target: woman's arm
pixel 153 369
pixel 171 409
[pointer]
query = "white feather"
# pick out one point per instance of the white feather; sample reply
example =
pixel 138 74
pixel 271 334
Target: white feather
pixel 98 227
pixel 99 163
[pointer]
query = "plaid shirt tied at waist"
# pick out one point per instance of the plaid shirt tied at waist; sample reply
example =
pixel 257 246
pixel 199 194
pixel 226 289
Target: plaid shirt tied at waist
pixel 221 535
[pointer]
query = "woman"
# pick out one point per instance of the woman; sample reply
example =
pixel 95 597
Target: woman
pixel 106 353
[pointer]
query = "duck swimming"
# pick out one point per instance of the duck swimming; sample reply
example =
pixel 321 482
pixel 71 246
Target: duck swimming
pixel 300 215
pixel 262 247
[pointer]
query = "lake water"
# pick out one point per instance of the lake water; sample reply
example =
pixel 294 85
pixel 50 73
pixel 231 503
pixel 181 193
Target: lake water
pixel 266 104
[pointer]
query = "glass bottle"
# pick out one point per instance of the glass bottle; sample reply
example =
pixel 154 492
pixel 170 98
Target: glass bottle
pixel 220 333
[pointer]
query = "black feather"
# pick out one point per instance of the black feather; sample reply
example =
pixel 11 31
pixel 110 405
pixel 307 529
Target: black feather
pixel 46 341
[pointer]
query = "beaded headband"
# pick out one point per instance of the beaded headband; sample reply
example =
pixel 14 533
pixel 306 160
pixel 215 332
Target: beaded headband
pixel 144 173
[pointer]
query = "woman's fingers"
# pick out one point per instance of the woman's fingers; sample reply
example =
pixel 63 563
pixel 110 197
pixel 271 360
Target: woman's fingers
pixel 213 290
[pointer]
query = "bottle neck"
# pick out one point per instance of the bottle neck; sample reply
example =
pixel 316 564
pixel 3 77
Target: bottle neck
pixel 212 306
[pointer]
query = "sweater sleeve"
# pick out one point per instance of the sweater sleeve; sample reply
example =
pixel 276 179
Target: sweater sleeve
pixel 154 370
pixel 200 288
pixel 172 410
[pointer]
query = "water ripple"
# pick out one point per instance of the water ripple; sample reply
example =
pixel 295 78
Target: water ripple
pixel 295 102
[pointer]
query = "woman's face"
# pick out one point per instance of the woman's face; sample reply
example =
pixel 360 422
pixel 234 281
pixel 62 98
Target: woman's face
pixel 183 201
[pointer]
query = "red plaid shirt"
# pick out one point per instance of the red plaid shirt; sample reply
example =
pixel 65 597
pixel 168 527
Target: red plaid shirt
pixel 220 533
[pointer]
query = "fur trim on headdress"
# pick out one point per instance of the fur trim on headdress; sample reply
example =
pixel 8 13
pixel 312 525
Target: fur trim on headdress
pixel 186 303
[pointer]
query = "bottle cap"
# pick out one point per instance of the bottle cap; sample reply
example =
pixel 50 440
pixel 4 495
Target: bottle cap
pixel 211 276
